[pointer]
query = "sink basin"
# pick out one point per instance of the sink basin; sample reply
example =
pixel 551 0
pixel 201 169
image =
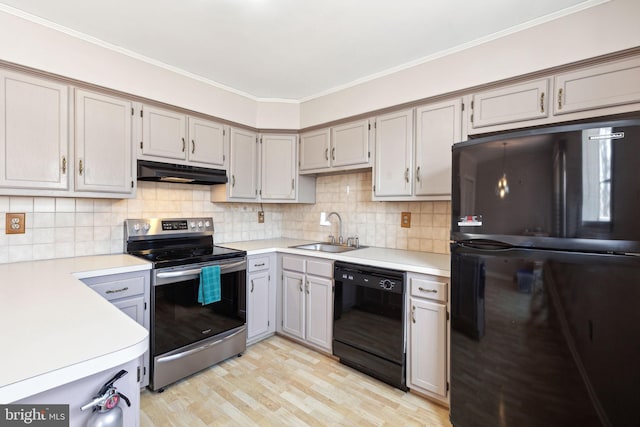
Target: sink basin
pixel 327 247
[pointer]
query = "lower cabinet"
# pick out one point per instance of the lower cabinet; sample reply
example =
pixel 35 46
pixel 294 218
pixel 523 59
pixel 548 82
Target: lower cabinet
pixel 261 302
pixel 427 347
pixel 129 292
pixel 307 300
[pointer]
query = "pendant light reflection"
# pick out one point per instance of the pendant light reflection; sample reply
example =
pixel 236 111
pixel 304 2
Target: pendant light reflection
pixel 502 189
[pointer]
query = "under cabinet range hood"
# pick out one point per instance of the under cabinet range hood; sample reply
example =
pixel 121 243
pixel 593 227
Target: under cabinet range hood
pixel 183 174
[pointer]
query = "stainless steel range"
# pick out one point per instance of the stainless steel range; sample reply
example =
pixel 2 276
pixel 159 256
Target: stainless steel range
pixel 187 336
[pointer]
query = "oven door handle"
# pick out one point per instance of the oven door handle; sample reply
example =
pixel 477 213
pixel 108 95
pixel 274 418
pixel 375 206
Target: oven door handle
pixel 196 271
pixel 197 349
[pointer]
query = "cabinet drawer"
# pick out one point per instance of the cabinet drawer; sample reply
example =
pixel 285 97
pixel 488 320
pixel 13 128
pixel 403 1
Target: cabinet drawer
pixel 320 268
pixel 257 264
pixel 120 288
pixel 426 287
pixel 293 263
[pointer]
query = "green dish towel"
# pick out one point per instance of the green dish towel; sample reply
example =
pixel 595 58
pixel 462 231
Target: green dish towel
pixel 209 290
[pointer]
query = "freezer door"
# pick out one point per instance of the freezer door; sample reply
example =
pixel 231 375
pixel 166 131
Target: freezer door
pixel 570 187
pixel 544 338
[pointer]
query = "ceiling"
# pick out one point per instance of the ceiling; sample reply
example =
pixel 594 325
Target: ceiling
pixel 289 49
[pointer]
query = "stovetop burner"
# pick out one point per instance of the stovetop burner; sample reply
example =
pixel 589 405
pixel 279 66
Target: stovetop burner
pixel 174 241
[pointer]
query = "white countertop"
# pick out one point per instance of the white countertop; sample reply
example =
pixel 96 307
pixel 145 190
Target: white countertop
pixel 412 261
pixel 55 329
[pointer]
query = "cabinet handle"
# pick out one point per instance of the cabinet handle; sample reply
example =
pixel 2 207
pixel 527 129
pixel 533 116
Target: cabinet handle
pixel 326 154
pixel 560 99
pixel 115 291
pixel 259 265
pixel 64 164
pixel 406 175
pixel 418 174
pixel 80 168
pixel 333 153
pixel 307 287
pixel 542 102
pixel 421 289
pixel 413 314
pixel 251 286
pixel 233 180
pixel 193 146
pixel 293 184
pixel 301 286
pixel 184 145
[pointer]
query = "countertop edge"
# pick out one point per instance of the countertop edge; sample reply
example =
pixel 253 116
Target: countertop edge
pixel 52 379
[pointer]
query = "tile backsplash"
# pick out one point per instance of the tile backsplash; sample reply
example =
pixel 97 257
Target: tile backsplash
pixel 65 227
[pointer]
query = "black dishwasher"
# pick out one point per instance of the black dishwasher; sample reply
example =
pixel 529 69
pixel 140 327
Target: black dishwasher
pixel 368 321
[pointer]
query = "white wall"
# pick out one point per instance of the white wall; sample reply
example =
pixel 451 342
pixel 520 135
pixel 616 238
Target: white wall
pixel 33 45
pixel 602 29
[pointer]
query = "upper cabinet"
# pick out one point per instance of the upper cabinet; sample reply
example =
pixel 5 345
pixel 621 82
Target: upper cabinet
pixel 510 104
pixel 413 152
pixel 394 154
pixel 602 86
pixel 34 136
pixel 171 136
pixel 41 155
pixel 342 147
pixel 438 127
pixel 264 168
pixel 103 143
pixel 585 93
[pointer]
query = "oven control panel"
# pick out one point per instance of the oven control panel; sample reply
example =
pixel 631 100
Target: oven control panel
pixel 167 226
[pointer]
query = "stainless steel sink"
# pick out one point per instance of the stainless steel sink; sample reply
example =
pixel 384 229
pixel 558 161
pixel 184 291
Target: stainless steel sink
pixel 327 247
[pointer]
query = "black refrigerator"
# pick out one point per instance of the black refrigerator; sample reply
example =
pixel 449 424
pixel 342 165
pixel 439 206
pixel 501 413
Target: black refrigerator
pixel 545 277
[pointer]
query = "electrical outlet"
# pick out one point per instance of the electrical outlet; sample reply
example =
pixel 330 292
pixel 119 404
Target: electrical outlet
pixel 260 217
pixel 405 219
pixel 14 223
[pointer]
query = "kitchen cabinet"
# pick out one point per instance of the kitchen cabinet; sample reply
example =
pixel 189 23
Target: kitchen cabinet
pixel 261 298
pixel 413 152
pixel 129 292
pixel 264 168
pixel 341 147
pixel 438 127
pixel 601 86
pixel 511 104
pixel 427 346
pixel 394 156
pixel 103 144
pixel 175 137
pixel 307 300
pixel 34 138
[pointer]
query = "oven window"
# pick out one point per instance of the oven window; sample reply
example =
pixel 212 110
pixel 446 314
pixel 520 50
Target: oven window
pixel 179 319
pixel 369 319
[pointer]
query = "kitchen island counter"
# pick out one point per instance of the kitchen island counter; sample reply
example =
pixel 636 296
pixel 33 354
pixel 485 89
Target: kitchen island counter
pixel 56 329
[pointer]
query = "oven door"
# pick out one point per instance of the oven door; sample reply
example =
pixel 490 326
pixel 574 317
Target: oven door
pixel 178 319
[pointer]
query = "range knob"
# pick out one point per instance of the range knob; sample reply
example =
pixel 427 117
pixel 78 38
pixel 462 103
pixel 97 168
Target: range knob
pixel 146 226
pixel 387 284
pixel 136 227
pixel 192 224
pixel 199 224
pixel 207 224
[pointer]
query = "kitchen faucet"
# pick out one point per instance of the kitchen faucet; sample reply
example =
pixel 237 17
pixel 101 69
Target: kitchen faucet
pixel 340 238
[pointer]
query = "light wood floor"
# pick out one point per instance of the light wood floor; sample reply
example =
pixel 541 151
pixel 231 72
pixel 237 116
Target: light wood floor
pixel 278 382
